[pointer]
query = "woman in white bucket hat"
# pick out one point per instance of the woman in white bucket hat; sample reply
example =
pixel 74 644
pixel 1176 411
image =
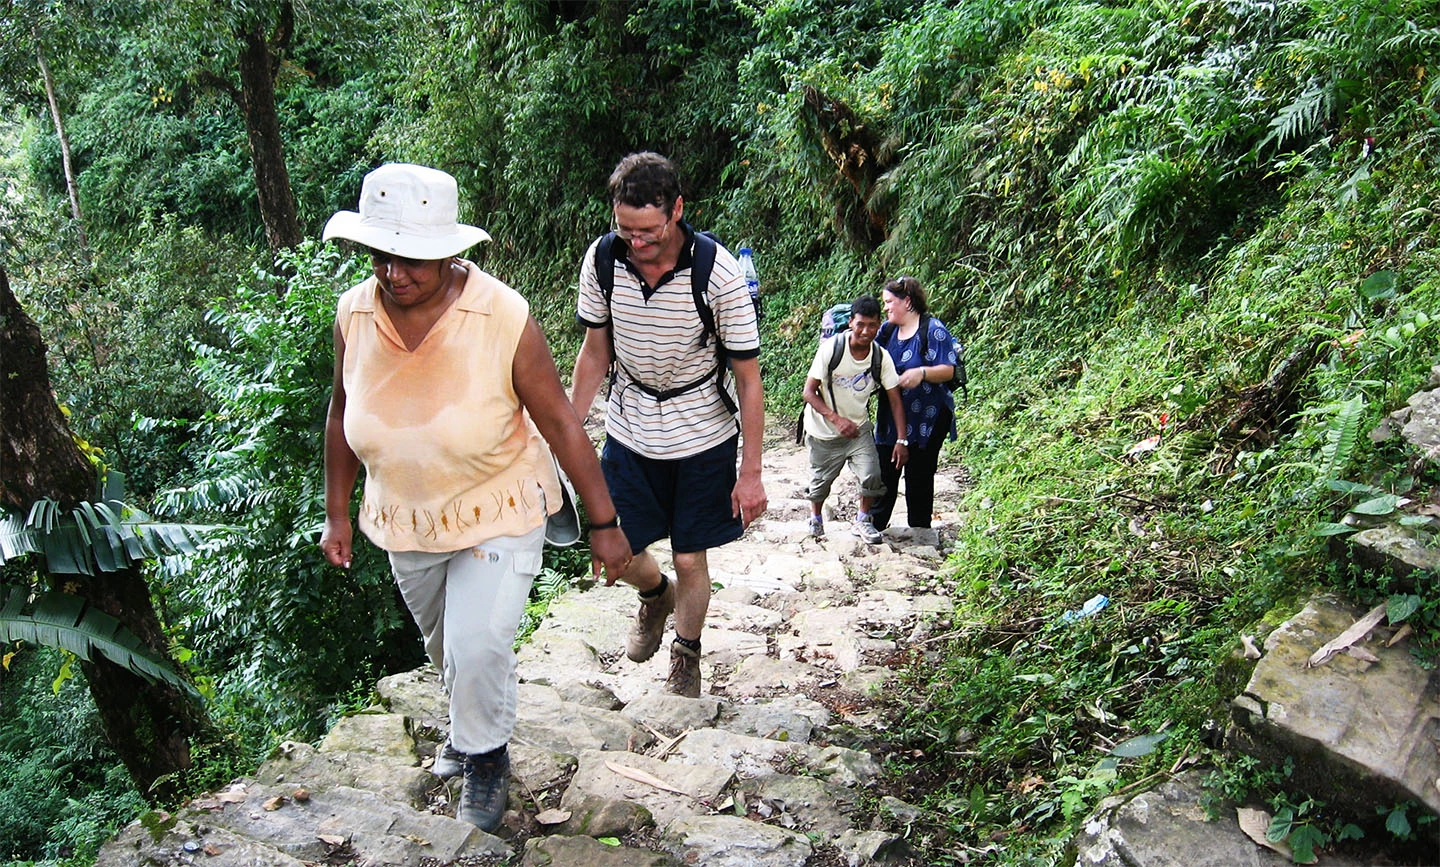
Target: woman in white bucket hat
pixel 444 387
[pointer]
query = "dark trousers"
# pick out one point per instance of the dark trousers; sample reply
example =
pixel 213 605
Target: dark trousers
pixel 919 473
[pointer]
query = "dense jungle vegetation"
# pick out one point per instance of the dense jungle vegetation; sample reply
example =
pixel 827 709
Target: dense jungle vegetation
pixel 1132 212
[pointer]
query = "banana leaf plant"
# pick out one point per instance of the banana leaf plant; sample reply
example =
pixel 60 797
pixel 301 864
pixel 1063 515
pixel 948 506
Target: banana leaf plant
pixel 101 536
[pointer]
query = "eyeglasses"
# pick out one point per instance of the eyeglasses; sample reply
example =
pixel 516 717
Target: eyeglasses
pixel 379 259
pixel 649 236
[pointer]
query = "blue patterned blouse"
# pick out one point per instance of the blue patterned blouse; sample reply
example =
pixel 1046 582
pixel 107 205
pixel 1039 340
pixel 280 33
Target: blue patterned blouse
pixel 926 403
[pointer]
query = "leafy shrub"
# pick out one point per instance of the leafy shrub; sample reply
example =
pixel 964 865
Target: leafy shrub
pixel 64 793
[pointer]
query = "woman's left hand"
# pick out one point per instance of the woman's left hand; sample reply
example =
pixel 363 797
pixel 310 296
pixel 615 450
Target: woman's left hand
pixel 610 550
pixel 912 378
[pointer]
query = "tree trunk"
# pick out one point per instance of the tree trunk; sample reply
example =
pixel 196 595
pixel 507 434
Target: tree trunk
pixel 70 185
pixel 267 148
pixel 38 455
pixel 149 725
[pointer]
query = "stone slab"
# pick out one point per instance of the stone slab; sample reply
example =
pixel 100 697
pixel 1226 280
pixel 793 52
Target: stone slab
pixel 1361 733
pixel 689 789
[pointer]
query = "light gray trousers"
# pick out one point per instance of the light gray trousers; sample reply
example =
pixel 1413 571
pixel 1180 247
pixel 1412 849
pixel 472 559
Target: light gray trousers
pixel 827 457
pixel 468 605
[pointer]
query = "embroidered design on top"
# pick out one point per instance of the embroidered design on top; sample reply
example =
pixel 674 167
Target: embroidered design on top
pixel 515 499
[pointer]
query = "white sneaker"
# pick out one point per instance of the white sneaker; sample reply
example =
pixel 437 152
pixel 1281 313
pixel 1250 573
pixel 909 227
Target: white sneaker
pixel 867 532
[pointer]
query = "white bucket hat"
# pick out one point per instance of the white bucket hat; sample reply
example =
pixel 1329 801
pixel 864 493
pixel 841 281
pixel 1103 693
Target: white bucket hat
pixel 410 211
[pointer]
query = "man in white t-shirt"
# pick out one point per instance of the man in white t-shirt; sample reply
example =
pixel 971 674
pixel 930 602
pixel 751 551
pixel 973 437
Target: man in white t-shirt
pixel 838 429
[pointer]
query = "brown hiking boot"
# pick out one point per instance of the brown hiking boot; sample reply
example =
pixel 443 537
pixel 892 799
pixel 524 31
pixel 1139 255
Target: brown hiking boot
pixel 649 625
pixel 684 671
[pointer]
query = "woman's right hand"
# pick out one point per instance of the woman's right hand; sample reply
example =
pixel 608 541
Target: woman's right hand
pixel 335 541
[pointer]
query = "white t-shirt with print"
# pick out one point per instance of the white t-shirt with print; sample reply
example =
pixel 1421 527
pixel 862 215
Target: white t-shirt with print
pixel 851 382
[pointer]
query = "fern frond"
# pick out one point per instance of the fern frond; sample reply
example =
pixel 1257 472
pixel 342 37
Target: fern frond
pixel 1300 117
pixel 1341 435
pixel 1417 39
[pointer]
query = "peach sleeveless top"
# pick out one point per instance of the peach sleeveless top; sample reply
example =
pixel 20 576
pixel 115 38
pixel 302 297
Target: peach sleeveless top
pixel 451 458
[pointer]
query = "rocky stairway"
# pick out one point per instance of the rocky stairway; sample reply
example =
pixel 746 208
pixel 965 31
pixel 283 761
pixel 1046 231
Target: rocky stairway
pixel 608 769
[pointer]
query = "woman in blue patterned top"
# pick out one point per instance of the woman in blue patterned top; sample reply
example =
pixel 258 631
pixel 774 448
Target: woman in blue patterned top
pixel 929 405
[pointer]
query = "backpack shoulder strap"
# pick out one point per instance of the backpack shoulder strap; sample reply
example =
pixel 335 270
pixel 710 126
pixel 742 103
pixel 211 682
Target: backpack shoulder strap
pixel 605 265
pixel 605 276
pixel 701 266
pixel 837 351
pixel 877 366
pixel 924 338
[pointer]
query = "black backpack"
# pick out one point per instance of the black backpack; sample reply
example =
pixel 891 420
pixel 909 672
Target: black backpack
pixel 702 263
pixel 839 345
pixel 958 379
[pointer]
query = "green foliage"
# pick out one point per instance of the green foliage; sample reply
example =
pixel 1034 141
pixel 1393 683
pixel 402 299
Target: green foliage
pixel 120 337
pixel 1129 210
pixel 259 604
pixel 549 585
pixel 1297 826
pixel 63 793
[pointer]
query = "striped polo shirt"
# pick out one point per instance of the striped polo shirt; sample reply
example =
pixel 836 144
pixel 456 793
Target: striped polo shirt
pixel 657 341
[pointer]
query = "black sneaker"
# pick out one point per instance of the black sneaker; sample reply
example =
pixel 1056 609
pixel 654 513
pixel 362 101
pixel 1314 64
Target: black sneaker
pixel 486 790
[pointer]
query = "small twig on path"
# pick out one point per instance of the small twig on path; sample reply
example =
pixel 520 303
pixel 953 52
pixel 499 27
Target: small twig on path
pixel 534 799
pixel 666 748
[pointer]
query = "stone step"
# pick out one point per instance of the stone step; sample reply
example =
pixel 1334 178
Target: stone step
pixel 742 775
pixel 1362 731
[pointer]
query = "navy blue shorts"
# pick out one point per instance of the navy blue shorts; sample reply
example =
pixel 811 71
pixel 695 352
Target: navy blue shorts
pixel 687 499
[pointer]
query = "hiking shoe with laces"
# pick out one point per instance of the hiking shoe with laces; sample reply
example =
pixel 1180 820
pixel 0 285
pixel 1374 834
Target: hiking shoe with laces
pixel 649 625
pixel 865 529
pixel 486 790
pixel 449 762
pixel 684 671
pixel 817 527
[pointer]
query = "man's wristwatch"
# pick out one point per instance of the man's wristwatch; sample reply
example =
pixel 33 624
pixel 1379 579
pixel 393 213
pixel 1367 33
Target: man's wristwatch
pixel 905 443
pixel 612 524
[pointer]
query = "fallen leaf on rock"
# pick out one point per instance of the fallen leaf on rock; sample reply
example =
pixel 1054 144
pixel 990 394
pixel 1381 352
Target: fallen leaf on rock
pixel 1255 824
pixel 274 803
pixel 552 817
pixel 331 839
pixel 418 841
pixel 1356 632
pixel 1400 635
pixel 640 776
pixel 211 849
pixel 1361 654
pixel 1251 651
pixel 301 795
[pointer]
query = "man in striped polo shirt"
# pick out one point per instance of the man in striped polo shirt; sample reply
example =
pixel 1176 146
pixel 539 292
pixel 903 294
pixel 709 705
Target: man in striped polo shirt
pixel 671 432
